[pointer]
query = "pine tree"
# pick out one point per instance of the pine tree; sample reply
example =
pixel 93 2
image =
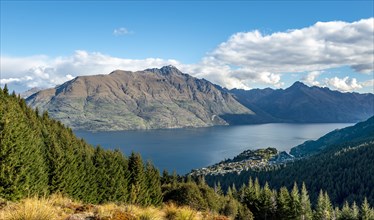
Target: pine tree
pixel 165 177
pixel 305 209
pixel 153 185
pixel 283 201
pixel 346 212
pixel 355 211
pixel 229 192
pixel 137 181
pixel 117 176
pixel 295 205
pixel 235 192
pixel 252 197
pixel 337 213
pixel 100 175
pixel 218 189
pixel 5 90
pixel 366 212
pixel 266 202
pixel 319 213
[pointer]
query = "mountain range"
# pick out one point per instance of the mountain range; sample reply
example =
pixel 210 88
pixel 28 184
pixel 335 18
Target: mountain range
pixel 149 99
pixel 302 104
pixel 167 98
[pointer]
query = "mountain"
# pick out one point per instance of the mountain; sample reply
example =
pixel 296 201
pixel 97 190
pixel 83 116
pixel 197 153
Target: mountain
pixel 360 132
pixel 123 100
pixel 29 92
pixel 302 104
pixel 340 162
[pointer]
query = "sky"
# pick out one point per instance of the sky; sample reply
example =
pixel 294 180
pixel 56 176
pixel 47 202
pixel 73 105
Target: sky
pixel 235 44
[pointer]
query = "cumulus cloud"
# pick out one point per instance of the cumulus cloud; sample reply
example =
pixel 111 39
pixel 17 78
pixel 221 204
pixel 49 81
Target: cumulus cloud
pixel 121 31
pixel 321 46
pixel 345 84
pixel 43 71
pixel 248 58
pixel 311 78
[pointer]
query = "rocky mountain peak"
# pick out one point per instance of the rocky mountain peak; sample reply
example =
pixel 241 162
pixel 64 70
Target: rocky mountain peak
pixel 165 70
pixel 298 85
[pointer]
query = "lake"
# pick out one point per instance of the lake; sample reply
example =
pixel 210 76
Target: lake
pixel 190 148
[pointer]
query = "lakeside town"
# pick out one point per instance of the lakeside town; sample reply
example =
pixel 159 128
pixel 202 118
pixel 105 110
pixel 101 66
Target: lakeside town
pixel 258 159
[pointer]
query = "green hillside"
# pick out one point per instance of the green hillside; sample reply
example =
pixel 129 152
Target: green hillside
pixel 340 162
pixel 40 156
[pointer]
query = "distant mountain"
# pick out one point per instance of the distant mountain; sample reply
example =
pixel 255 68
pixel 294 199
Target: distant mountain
pixel 360 132
pixel 30 92
pixel 123 100
pixel 302 104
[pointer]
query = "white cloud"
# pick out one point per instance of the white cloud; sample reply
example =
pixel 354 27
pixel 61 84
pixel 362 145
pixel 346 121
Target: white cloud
pixel 345 84
pixel 321 46
pixel 369 83
pixel 43 71
pixel 245 60
pixel 310 79
pixel 9 80
pixel 248 58
pixel 121 31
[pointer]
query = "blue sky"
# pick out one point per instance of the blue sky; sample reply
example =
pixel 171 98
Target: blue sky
pixel 51 39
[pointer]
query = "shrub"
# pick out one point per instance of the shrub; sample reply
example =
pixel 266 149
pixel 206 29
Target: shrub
pixel 30 209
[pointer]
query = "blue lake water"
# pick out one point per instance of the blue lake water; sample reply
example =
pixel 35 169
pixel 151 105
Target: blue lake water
pixel 190 148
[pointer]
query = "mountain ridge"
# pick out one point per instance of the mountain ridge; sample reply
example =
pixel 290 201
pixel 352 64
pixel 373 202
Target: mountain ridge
pixel 302 104
pixel 125 100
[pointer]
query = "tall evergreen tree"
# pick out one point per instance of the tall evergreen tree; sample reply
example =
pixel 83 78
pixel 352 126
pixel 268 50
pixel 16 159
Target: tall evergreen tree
pixel 295 204
pixel 283 201
pixel 346 212
pixel 366 212
pixel 319 213
pixel 355 211
pixel 137 180
pixel 267 205
pixel 305 206
pixel 153 185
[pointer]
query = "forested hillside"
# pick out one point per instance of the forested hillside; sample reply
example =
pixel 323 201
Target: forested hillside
pixel 359 132
pixel 345 171
pixel 40 156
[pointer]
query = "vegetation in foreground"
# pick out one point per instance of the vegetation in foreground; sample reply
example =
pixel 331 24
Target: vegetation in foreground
pixel 57 207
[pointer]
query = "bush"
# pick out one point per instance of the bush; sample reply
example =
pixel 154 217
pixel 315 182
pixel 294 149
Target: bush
pixel 185 194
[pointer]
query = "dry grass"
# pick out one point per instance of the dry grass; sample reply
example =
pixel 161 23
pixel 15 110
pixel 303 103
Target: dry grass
pixel 173 212
pixel 58 207
pixel 30 209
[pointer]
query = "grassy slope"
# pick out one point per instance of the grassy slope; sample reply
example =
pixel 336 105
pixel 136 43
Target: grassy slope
pixel 58 207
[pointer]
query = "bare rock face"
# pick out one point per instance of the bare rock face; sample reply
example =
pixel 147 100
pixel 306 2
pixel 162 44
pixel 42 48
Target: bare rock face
pixel 149 99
